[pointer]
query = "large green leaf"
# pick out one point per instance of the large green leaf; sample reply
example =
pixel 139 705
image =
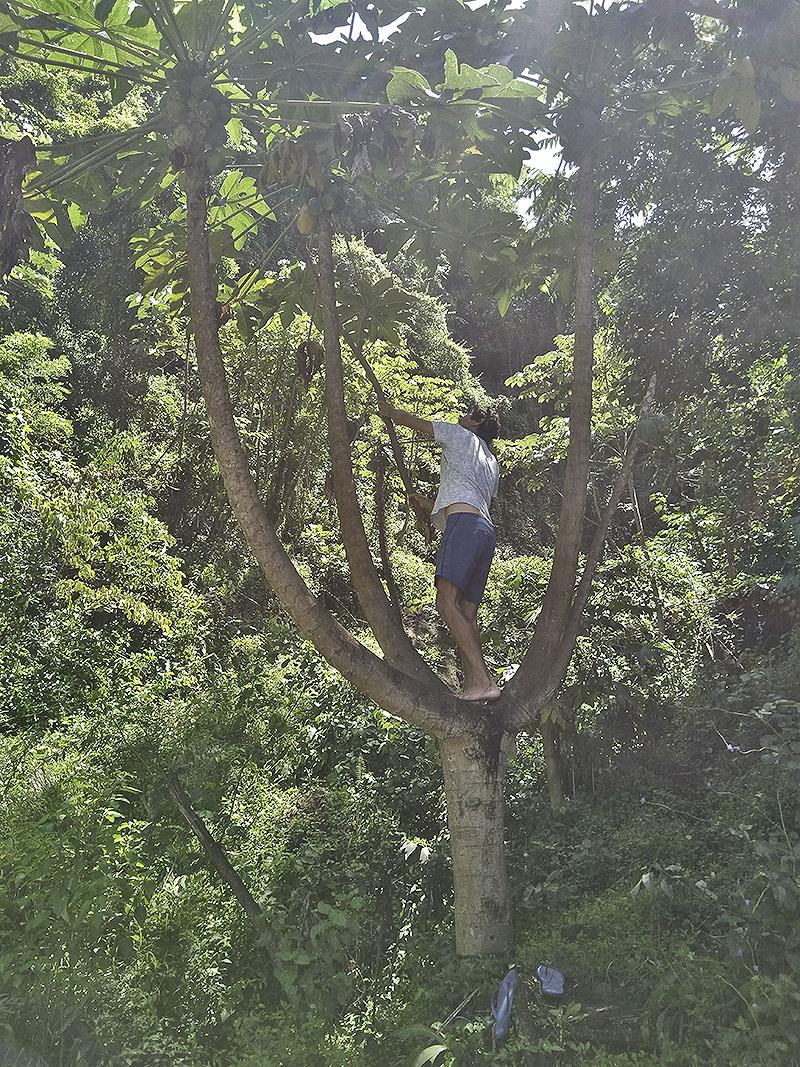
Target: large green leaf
pixel 430 1055
pixel 406 86
pixel 495 81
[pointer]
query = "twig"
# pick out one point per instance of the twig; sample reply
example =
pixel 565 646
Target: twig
pixel 462 1005
pixel 785 834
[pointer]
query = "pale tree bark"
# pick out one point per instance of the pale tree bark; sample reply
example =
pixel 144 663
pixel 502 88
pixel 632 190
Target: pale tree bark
pixel 554 772
pixel 474 775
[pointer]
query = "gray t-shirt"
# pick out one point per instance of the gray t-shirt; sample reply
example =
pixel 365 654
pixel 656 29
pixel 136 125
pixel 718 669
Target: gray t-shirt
pixel 470 473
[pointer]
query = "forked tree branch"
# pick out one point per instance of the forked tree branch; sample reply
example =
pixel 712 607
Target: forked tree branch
pixel 429 706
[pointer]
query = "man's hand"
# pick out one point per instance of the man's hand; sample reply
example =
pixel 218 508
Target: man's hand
pixel 424 427
pixel 422 502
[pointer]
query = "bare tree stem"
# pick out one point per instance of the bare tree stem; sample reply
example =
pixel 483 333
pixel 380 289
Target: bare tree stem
pixel 214 851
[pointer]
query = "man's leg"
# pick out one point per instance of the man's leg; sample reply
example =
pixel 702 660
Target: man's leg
pixel 471 612
pixel 460 618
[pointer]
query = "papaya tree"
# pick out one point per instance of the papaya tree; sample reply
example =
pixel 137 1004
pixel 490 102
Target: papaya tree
pixel 322 119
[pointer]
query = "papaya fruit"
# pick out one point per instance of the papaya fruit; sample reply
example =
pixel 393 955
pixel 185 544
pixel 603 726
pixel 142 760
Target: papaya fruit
pixel 217 135
pixel 200 86
pixel 206 113
pixel 215 161
pixel 180 137
pixel 306 223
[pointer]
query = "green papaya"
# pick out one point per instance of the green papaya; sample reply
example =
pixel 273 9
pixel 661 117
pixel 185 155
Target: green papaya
pixel 173 106
pixel 216 161
pixel 181 137
pixel 306 223
pixel 200 86
pixel 217 135
pixel 206 113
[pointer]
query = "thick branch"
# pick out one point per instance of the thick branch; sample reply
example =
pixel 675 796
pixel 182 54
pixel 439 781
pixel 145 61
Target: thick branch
pixel 557 599
pixel 213 850
pixel 552 765
pixel 523 715
pixel 379 465
pixel 429 706
pixel 385 622
pixel 599 539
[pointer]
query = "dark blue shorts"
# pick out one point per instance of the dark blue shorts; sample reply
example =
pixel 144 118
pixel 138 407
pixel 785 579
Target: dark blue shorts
pixel 465 554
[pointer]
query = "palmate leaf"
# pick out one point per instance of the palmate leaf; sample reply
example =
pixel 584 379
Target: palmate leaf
pixel 76 33
pixel 239 206
pixel 494 82
pixel 373 310
pixel 408 86
pixel 92 165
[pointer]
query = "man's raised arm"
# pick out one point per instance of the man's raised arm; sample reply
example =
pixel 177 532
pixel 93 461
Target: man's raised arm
pixel 424 427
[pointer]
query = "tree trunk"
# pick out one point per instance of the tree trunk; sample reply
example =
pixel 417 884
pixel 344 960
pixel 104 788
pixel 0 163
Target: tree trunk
pixel 561 586
pixel 474 773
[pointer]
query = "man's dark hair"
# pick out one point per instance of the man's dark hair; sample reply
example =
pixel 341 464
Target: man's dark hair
pixel 489 423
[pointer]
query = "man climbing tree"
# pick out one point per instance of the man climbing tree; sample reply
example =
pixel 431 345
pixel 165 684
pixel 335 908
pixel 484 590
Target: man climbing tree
pixel 469 481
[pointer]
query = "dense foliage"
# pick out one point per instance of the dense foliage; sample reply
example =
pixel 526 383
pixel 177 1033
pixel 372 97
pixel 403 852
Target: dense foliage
pixel 140 647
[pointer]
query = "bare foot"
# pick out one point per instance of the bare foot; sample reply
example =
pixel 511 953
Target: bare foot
pixel 481 693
